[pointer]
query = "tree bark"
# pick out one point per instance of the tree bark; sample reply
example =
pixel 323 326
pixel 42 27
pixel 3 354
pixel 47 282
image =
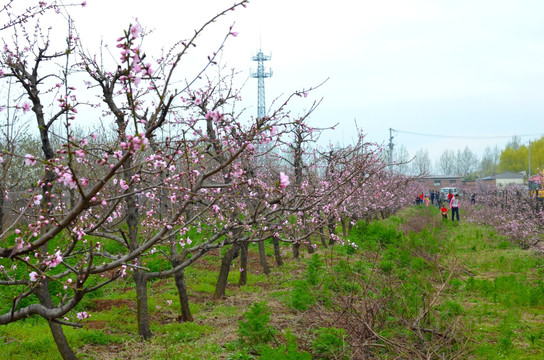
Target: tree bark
pixel 332 230
pixel 183 296
pixel 222 279
pixel 296 250
pixel 262 258
pixel 322 236
pixel 140 279
pixel 309 246
pixel 277 251
pixel 344 226
pixel 243 264
pixel 2 199
pixel 42 292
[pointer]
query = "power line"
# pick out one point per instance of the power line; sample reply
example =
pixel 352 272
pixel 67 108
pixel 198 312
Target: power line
pixel 466 137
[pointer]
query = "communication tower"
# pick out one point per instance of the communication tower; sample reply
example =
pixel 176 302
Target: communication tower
pixel 260 74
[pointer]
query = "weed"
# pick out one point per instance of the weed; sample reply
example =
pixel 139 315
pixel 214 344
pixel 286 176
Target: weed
pixel 314 272
pixel 255 330
pixel 301 297
pixel 287 352
pixel 330 343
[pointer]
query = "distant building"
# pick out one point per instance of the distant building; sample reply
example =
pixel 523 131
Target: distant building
pixel 507 178
pixel 435 182
pixel 472 185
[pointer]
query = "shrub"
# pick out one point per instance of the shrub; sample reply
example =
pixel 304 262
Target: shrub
pixel 288 352
pixel 330 343
pixel 301 297
pixel 314 272
pixel 255 330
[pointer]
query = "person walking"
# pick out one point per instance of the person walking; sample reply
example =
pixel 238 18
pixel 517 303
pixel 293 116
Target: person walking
pixel 454 206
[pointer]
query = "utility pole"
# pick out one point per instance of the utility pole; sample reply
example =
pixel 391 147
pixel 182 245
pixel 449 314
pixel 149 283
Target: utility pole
pixel 390 160
pixel 529 160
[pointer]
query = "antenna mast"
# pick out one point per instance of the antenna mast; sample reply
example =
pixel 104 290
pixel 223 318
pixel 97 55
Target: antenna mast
pixel 261 75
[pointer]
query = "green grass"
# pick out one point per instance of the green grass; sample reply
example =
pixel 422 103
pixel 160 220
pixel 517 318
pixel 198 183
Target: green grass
pixel 493 301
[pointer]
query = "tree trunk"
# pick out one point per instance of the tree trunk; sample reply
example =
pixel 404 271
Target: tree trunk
pixel 344 222
pixel 140 279
pixel 350 226
pixel 332 230
pixel 322 236
pixel 183 296
pixel 262 258
pixel 243 264
pixel 42 292
pixel 2 199
pixel 277 252
pixel 309 246
pixel 222 279
pixel 296 250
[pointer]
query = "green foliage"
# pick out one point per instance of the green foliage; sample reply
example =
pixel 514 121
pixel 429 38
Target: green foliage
pixel 301 297
pixel 314 272
pixel 288 352
pixel 509 290
pixel 330 343
pixel 181 332
pixel 451 308
pixel 98 337
pixel 491 306
pixel 255 330
pixel 516 158
pixel 240 355
pixel 157 264
pixel 374 235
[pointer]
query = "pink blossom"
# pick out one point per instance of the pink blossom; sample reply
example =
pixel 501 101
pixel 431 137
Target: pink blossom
pixel 26 107
pixel 135 30
pixel 37 199
pixel 94 136
pixel 284 180
pixel 55 260
pixel 33 276
pixel 234 33
pixel 198 101
pixel 1 159
pixel 123 271
pixel 82 315
pixel 83 4
pixel 30 160
pixel 84 182
pixel 68 180
pixel 148 69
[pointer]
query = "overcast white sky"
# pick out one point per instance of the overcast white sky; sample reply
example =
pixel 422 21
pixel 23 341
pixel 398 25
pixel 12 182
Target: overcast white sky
pixel 467 68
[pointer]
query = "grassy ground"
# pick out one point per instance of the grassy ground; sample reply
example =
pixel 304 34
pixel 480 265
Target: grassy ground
pixel 413 286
